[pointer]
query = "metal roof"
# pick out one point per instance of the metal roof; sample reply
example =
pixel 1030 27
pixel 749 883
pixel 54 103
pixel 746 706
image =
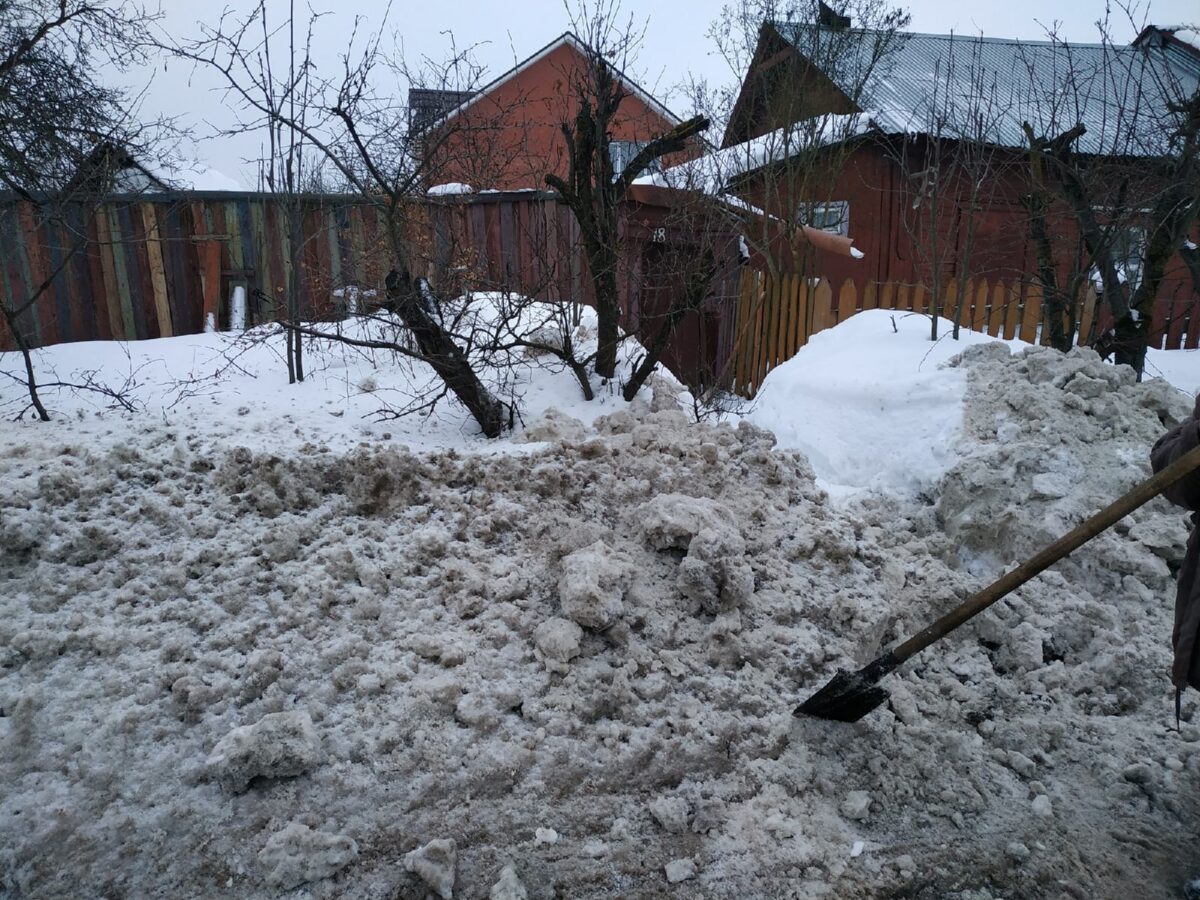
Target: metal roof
pixel 971 87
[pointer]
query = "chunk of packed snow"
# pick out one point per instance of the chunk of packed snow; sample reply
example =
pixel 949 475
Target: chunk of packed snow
pixel 278 745
pixel 297 854
pixel 670 521
pixel 680 870
pixel 435 864
pixel 593 585
pixel 508 886
pixel 558 639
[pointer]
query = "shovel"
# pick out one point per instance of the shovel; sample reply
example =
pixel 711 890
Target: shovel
pixel 851 695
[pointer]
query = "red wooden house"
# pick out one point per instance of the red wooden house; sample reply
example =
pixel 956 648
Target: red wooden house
pixel 508 134
pixel 914 145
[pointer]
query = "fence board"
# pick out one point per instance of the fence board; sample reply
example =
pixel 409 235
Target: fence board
pixel 847 300
pixel 1031 314
pixel 870 296
pixel 995 323
pixel 979 315
pixel 887 296
pixel 158 273
pixel 804 313
pixel 822 306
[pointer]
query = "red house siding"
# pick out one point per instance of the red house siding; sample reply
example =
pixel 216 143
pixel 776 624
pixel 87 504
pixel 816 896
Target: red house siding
pixel 511 136
pixel 897 239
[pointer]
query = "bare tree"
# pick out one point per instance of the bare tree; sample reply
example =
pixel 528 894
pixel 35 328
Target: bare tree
pixel 952 168
pixel 61 130
pixel 591 188
pixel 363 135
pixel 1128 184
pixel 793 118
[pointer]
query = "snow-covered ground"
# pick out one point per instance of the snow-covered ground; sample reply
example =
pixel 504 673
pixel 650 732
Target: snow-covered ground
pixel 232 390
pixel 251 646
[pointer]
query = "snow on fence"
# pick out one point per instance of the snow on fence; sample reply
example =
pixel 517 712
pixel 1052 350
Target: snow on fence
pixel 776 315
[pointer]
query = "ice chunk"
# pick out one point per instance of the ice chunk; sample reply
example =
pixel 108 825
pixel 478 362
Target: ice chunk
pixel 671 813
pixel 277 746
pixel 715 571
pixel 680 870
pixel 558 639
pixel 670 521
pixel 434 864
pixel 592 585
pixel 298 854
pixel 857 805
pixel 508 886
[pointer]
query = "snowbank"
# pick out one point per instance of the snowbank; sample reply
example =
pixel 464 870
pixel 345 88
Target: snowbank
pixel 249 641
pixel 870 401
pixel 224 671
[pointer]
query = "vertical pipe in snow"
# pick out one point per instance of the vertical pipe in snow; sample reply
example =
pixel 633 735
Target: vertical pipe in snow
pixel 237 309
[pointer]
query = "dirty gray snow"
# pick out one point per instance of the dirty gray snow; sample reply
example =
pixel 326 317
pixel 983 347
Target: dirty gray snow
pixel 571 672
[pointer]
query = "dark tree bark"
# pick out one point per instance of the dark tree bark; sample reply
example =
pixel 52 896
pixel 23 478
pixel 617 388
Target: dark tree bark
pixel 408 298
pixel 30 378
pixel 594 194
pixel 1168 221
pixel 697 286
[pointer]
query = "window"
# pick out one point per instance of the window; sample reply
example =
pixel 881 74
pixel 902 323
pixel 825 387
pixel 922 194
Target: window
pixel 833 217
pixel 622 153
pixel 1129 250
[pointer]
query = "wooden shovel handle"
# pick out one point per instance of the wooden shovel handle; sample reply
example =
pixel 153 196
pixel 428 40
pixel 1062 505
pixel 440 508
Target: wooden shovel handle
pixel 1139 496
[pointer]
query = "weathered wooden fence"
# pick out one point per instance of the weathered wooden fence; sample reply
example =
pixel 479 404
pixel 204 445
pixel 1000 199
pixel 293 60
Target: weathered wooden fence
pixel 151 266
pixel 776 315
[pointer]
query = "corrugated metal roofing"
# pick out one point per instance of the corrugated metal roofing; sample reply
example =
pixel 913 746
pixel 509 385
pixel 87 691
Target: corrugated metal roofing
pixel 984 88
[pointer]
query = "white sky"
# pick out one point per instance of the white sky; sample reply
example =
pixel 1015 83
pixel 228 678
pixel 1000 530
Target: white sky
pixel 675 43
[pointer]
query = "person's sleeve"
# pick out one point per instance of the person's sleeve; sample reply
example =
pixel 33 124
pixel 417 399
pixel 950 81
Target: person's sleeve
pixel 1175 443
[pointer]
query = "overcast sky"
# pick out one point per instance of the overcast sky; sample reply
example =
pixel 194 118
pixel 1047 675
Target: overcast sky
pixel 675 43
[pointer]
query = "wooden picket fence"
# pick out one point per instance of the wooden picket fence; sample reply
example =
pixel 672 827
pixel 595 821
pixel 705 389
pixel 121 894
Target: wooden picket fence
pixel 777 315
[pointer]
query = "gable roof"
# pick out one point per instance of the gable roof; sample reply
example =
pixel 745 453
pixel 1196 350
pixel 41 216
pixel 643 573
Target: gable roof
pixel 567 39
pixel 984 88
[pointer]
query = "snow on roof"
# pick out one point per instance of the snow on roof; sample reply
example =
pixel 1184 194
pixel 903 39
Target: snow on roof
pixel 984 88
pixel 713 172
pixel 196 176
pixel 567 38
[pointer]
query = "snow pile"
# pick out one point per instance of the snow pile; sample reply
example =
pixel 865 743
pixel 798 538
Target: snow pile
pixel 571 670
pixel 870 402
pixel 570 667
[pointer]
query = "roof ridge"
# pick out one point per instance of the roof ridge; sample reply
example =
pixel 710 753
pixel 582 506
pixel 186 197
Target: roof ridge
pixel 956 36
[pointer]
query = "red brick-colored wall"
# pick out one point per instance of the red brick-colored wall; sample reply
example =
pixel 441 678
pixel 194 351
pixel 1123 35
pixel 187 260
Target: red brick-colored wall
pixel 881 184
pixel 511 137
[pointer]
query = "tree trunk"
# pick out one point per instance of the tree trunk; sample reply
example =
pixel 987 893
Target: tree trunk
pixel 408 298
pixel 697 285
pixel 608 311
pixel 30 379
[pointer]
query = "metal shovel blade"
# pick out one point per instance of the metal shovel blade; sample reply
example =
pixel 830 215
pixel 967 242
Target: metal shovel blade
pixel 849 695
